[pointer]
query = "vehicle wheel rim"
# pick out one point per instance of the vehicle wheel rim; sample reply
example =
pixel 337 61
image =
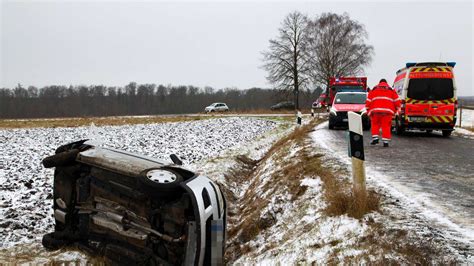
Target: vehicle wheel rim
pixel 161 176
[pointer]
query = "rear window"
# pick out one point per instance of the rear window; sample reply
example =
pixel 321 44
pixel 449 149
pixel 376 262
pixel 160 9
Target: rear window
pixel 349 88
pixel 430 89
pixel 358 98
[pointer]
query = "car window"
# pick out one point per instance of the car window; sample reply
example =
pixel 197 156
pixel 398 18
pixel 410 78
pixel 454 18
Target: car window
pixel 349 88
pixel 430 89
pixel 351 98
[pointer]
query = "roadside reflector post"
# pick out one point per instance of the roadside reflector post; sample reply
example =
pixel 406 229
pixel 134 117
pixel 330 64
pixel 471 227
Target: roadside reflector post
pixel 298 117
pixel 356 152
pixel 312 112
pixel 460 114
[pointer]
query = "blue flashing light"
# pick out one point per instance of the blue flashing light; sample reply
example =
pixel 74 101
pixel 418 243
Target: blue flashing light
pixel 451 64
pixel 410 64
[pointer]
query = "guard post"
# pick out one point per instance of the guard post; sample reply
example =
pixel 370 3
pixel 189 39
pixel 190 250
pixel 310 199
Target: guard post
pixel 298 117
pixel 356 152
pixel 312 112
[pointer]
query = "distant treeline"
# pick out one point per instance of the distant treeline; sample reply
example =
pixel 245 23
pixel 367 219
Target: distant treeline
pixel 466 100
pixel 133 99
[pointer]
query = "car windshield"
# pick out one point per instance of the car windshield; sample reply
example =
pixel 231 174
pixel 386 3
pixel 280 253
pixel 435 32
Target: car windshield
pixel 430 89
pixel 348 88
pixel 348 98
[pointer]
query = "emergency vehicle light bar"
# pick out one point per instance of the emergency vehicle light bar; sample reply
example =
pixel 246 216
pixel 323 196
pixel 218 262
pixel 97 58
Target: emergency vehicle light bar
pixel 410 64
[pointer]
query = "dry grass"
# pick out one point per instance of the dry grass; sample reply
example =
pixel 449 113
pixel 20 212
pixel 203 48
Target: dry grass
pixel 33 253
pixel 99 121
pixel 354 204
pixel 414 251
pixel 469 128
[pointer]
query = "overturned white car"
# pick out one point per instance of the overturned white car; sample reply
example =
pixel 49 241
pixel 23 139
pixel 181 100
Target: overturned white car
pixel 132 209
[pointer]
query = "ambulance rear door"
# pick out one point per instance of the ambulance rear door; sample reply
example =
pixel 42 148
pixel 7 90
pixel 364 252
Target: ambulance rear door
pixel 431 93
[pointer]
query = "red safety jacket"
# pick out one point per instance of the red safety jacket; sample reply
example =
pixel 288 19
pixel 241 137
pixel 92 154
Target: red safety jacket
pixel 382 100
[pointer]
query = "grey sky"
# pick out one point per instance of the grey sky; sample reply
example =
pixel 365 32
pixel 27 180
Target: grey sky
pixel 209 43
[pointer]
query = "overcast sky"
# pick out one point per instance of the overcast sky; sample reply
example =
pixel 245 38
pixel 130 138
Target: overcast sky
pixel 216 44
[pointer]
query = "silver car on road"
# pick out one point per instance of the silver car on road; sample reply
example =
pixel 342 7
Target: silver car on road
pixel 217 107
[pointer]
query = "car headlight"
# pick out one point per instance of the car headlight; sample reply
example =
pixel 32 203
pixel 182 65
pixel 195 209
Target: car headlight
pixel 363 111
pixel 333 111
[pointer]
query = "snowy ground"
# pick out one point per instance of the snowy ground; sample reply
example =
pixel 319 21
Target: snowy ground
pixel 297 230
pixel 301 233
pixel 408 207
pixel 27 187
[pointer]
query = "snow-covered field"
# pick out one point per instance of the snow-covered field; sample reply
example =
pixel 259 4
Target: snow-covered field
pixel 25 201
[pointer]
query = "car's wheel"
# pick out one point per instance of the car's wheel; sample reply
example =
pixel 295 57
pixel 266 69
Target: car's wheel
pixel 447 133
pixel 67 157
pixel 366 126
pixel 331 124
pixel 52 243
pixel 399 128
pixel 160 181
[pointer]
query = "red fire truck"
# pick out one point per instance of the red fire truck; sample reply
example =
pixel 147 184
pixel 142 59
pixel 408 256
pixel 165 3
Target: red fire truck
pixel 346 84
pixel 428 97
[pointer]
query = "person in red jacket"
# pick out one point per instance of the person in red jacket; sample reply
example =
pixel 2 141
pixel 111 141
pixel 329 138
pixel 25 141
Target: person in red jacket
pixel 382 103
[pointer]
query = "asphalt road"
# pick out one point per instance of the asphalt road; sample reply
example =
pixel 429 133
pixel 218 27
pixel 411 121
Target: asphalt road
pixel 440 169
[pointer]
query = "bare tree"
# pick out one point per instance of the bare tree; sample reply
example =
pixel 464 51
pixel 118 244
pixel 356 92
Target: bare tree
pixel 287 61
pixel 337 47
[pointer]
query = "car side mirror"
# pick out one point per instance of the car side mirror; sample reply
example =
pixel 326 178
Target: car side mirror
pixel 176 159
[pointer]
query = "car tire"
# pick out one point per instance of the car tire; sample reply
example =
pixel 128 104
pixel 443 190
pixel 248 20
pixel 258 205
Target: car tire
pixel 331 124
pixel 166 182
pixel 447 133
pixel 366 126
pixel 67 157
pixel 51 243
pixel 399 128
